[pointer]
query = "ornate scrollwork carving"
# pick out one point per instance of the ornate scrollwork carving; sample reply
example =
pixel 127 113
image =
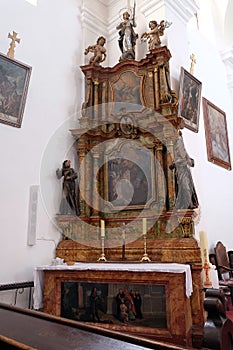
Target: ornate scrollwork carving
pixel 127 125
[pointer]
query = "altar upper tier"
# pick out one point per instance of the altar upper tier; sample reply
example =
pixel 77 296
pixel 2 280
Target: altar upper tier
pixel 130 86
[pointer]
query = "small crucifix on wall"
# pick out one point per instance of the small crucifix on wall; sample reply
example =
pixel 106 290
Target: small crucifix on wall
pixel 193 62
pixel 14 39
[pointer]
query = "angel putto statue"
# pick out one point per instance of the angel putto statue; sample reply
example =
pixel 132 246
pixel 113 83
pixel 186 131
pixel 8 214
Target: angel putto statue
pixel 156 30
pixel 98 50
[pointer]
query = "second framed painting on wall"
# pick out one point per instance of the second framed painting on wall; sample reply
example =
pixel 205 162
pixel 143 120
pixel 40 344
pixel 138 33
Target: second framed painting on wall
pixel 216 135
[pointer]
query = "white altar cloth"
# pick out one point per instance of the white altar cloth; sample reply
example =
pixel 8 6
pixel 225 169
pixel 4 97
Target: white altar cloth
pixel 133 267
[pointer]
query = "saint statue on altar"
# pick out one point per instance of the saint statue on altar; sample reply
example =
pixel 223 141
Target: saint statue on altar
pixel 186 197
pixel 127 36
pixel 68 204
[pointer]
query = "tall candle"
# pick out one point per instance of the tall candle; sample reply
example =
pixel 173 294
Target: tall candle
pixel 102 228
pixel 144 228
pixel 207 283
pixel 203 243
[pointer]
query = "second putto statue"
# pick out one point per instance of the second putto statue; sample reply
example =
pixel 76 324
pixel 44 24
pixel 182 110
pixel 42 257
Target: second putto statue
pixel 156 31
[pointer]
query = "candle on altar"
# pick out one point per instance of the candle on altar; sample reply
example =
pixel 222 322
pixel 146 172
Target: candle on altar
pixel 144 226
pixel 102 228
pixel 205 259
pixel 203 244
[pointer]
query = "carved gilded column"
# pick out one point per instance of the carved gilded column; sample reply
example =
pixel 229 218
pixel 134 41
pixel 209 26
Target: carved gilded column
pixel 82 149
pixel 167 76
pixel 156 81
pixel 163 84
pixel 88 100
pixel 159 166
pixel 150 93
pixel 104 100
pixel 170 175
pixel 96 98
pixel 95 182
pixel 88 184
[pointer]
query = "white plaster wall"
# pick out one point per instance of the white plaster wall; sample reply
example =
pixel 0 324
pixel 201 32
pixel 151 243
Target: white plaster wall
pixel 53 37
pixel 214 183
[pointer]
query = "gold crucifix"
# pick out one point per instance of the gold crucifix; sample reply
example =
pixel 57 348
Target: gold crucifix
pixel 14 39
pixel 193 62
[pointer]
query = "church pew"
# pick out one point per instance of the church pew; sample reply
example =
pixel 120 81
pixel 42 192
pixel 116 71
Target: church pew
pixel 27 329
pixel 218 328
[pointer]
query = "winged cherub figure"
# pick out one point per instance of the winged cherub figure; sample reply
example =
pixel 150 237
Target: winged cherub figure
pixel 98 50
pixel 156 31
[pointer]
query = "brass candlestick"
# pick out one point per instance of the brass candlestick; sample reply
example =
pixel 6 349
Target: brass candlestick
pixel 123 243
pixel 102 257
pixel 145 255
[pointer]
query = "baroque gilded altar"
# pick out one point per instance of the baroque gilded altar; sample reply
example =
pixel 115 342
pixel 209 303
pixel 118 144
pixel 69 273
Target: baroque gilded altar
pixel 126 145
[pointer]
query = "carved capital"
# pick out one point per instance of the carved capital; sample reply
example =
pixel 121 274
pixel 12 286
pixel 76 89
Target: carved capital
pixel 186 224
pixel 97 150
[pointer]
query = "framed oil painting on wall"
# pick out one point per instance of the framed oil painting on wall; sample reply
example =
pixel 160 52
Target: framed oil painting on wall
pixel 189 100
pixel 14 80
pixel 216 135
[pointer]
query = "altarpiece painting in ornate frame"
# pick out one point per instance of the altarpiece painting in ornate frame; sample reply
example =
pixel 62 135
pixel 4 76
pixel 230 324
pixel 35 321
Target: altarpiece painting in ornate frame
pixel 126 91
pixel 129 170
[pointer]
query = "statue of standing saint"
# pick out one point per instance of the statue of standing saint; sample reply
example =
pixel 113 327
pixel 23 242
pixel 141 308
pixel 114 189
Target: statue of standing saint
pixel 127 36
pixel 68 204
pixel 186 197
